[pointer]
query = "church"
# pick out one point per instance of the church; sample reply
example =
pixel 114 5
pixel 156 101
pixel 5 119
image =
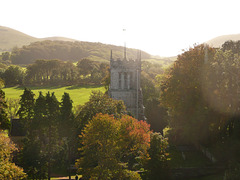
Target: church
pixel 125 75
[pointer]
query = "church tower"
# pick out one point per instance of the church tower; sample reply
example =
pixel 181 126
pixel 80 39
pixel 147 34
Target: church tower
pixel 125 84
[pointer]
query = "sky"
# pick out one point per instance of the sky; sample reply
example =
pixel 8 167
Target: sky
pixel 159 27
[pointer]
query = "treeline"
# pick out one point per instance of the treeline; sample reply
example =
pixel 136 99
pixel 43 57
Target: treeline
pixel 69 51
pixel 55 72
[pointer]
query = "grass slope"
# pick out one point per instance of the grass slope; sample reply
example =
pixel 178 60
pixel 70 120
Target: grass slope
pixel 79 95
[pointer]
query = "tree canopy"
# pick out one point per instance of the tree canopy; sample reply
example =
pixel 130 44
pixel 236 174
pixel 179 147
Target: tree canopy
pixel 109 146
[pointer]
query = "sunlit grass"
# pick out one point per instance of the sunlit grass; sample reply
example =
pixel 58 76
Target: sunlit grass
pixel 78 94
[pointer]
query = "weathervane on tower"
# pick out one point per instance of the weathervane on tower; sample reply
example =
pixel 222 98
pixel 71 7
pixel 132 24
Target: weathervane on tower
pixel 125 49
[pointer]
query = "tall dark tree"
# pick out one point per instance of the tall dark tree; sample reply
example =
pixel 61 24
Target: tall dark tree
pixel 67 130
pixel 26 110
pixel 51 128
pixel 4 121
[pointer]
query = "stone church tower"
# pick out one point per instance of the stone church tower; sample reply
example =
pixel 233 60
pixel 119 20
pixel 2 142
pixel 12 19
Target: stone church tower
pixel 125 84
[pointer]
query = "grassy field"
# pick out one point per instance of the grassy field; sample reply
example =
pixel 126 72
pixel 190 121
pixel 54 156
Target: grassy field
pixel 79 95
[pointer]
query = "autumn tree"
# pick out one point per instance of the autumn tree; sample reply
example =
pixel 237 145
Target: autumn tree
pixel 135 139
pixel 8 170
pixel 109 144
pixel 183 96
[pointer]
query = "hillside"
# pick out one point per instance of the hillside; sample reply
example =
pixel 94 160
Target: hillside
pixel 10 38
pixel 218 41
pixel 70 51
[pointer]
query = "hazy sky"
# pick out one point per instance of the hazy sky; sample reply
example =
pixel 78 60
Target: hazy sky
pixel 159 27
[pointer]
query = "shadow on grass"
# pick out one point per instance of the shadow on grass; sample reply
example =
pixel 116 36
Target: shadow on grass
pixel 36 87
pixel 56 87
pixel 83 86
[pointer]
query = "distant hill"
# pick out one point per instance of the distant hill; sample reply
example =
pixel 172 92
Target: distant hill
pixel 10 38
pixel 56 38
pixel 218 41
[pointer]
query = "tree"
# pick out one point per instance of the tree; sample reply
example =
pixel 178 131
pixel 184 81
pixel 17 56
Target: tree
pixel 5 56
pixel 4 121
pixel 156 165
pixel 135 139
pixel 8 170
pixel 85 67
pixel 13 106
pixel 13 76
pixel 67 129
pixel 109 144
pixel 51 129
pixel 26 110
pixel 183 96
pixel 155 113
pixel 98 103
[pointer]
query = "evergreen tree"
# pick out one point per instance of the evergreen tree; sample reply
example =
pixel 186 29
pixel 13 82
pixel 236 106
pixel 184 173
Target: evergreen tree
pixel 26 110
pixel 33 154
pixel 67 131
pixel 51 130
pixel 66 116
pixel 4 121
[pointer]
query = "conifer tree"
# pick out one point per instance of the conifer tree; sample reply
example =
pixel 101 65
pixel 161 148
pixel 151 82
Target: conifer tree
pixel 51 133
pixel 26 110
pixel 67 130
pixel 4 121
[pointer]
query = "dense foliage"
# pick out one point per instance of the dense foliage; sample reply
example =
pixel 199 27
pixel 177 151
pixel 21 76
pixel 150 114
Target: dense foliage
pixel 8 170
pixel 55 72
pixel 4 120
pixel 46 122
pixel 156 165
pixel 111 147
pixel 98 103
pixel 201 92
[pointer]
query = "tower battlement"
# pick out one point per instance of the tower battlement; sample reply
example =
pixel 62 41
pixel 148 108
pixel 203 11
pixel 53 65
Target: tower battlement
pixel 126 64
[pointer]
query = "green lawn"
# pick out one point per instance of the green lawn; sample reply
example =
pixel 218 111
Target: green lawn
pixel 79 95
